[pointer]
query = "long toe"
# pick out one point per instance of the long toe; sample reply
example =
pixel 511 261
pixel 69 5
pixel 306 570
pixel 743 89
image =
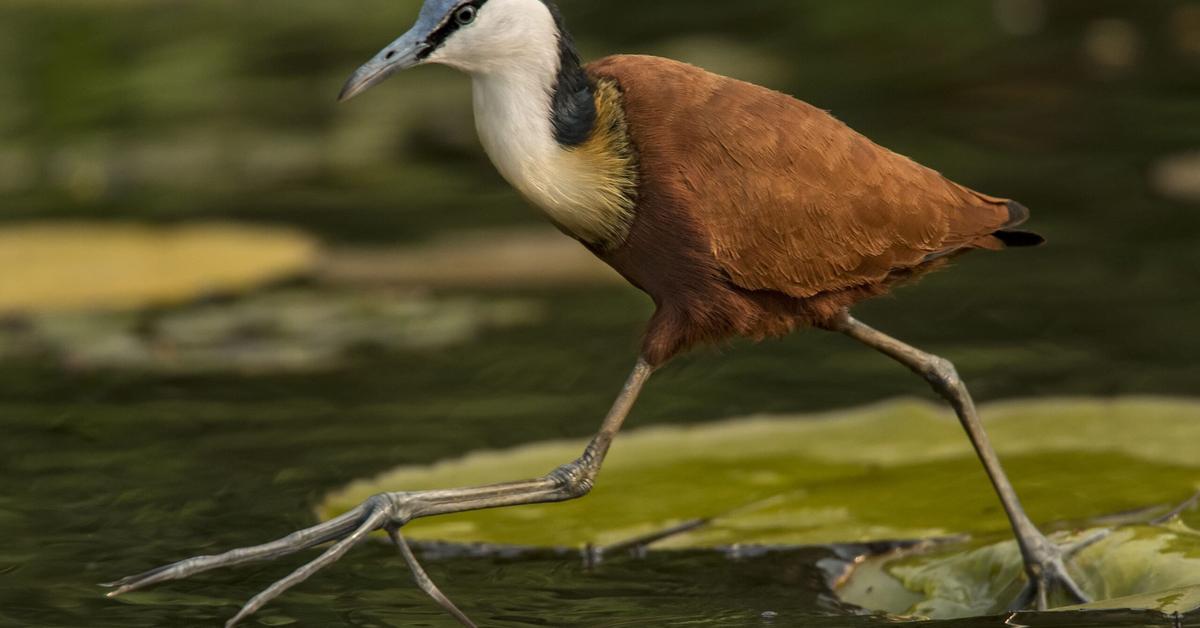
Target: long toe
pixel 332 530
pixel 1048 576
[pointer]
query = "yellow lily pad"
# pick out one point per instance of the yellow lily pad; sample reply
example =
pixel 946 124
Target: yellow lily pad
pixel 896 471
pixel 65 267
pixel 901 470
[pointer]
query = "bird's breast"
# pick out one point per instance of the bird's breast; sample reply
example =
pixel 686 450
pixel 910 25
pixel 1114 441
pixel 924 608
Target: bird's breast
pixel 587 190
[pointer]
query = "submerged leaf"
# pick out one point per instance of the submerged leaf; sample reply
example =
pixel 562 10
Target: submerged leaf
pixel 280 330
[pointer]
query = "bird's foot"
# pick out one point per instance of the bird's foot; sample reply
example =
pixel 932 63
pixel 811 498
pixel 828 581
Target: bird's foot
pixel 1046 570
pixel 1046 563
pixel 382 512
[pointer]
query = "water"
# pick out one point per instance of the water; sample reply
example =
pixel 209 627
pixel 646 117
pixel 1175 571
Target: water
pixel 108 472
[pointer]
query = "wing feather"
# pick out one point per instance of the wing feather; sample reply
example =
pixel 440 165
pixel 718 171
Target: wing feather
pixel 791 199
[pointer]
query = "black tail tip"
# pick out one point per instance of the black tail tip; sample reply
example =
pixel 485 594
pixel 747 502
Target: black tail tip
pixel 1018 214
pixel 1019 238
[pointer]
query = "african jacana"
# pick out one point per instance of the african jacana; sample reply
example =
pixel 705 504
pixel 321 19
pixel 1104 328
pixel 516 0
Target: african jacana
pixel 741 211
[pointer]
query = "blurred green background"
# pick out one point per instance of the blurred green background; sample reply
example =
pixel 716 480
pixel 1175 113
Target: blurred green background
pixel 223 295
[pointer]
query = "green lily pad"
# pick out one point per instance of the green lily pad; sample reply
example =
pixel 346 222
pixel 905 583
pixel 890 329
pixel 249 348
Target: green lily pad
pixel 1143 567
pixel 901 470
pixel 1169 602
pixel 283 330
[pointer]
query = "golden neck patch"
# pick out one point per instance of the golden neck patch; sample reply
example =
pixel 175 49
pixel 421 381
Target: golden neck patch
pixel 586 189
pixel 606 166
pixel 611 165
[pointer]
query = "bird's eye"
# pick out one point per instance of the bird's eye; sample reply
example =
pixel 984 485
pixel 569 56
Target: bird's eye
pixel 465 15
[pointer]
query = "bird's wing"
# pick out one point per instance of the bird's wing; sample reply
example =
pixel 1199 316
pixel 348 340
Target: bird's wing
pixel 791 199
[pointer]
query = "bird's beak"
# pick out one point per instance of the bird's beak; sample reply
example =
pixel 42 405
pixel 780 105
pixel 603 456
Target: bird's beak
pixel 404 53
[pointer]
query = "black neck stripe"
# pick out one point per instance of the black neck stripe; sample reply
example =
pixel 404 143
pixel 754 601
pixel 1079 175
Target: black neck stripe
pixel 573 107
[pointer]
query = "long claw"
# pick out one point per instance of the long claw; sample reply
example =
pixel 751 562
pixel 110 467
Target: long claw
pixel 1043 596
pixel 295 542
pixel 1054 573
pixel 1047 571
pixel 571 481
pixel 1074 550
pixel 1025 597
pixel 373 522
pixel 1057 576
pixel 424 581
pixel 1179 510
pixel 1072 589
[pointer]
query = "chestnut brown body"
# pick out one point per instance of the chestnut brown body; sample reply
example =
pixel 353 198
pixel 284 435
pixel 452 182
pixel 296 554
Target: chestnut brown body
pixel 757 214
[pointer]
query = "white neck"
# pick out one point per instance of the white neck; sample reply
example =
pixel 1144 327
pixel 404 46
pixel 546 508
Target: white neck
pixel 513 117
pixel 512 54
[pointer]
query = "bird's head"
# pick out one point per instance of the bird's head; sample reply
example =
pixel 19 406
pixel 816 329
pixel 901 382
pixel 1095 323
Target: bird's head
pixel 475 36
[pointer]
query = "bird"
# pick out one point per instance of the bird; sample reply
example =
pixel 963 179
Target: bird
pixel 742 212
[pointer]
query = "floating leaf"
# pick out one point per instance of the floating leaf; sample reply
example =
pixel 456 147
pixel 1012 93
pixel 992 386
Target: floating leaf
pixel 279 330
pixel 1182 600
pixel 56 267
pixel 1138 567
pixel 900 470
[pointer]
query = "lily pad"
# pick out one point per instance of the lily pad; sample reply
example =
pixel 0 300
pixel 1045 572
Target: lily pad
pixel 901 470
pixel 1142 567
pixel 68 267
pixel 273 331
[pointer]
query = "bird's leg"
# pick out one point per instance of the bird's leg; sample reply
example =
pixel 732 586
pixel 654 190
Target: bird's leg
pixel 391 511
pixel 1045 562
